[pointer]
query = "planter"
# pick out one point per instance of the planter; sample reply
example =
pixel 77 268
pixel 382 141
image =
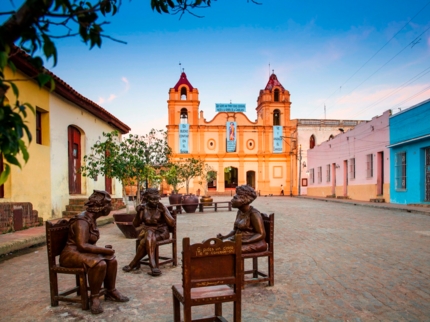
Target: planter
pixel 124 222
pixel 206 201
pixel 175 198
pixel 190 203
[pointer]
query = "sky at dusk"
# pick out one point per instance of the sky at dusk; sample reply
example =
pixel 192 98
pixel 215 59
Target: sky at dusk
pixel 356 58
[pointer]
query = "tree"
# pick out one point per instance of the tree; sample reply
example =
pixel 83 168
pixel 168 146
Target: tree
pixel 133 161
pixel 34 27
pixel 188 169
pixel 171 174
pixel 208 175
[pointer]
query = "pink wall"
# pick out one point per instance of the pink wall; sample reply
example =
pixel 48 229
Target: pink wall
pixel 367 138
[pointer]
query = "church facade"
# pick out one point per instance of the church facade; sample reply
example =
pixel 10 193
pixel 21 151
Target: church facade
pixel 261 153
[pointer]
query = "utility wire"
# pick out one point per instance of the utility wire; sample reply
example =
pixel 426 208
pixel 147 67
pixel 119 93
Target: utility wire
pixel 394 91
pixel 374 56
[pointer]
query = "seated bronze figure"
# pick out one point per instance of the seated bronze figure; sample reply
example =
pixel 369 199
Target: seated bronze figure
pixel 248 222
pixel 81 251
pixel 152 220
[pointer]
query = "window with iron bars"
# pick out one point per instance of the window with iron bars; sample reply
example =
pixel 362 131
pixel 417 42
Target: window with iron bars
pixel 400 177
pixel 369 165
pixel 352 168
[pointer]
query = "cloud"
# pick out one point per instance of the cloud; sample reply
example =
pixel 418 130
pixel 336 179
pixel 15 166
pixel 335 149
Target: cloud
pixel 111 97
pixel 127 84
pixel 373 101
pixel 114 96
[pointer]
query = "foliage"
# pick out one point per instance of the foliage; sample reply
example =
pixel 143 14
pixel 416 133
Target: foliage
pixel 171 174
pixel 188 169
pixel 208 174
pixel 133 161
pixel 34 27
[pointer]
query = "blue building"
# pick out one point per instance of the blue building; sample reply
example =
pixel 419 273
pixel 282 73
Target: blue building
pixel 410 155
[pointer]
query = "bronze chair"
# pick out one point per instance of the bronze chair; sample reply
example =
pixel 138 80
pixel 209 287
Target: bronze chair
pixel 163 260
pixel 56 238
pixel 269 226
pixel 211 274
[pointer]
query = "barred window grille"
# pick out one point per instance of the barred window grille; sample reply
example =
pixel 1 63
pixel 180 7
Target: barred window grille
pixel 319 174
pixel 328 172
pixel 352 168
pixel 369 165
pixel 311 176
pixel 400 171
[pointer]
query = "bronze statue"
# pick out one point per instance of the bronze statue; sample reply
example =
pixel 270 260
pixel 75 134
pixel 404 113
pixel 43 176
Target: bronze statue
pixel 152 220
pixel 81 251
pixel 248 222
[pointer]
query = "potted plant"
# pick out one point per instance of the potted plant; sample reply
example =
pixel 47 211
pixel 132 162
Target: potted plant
pixel 208 175
pixel 188 169
pixel 134 161
pixel 171 174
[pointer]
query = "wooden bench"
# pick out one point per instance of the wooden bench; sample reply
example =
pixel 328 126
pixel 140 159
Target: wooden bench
pixel 216 205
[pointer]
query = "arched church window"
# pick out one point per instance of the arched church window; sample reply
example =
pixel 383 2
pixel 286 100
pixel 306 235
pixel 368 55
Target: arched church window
pixel 183 93
pixel 276 95
pixel 312 142
pixel 276 117
pixel 184 116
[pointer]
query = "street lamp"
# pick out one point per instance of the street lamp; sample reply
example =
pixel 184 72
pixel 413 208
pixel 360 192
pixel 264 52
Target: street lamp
pixel 292 139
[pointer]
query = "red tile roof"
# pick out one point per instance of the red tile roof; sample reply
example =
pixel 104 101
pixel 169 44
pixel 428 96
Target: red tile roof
pixel 273 81
pixel 20 59
pixel 183 81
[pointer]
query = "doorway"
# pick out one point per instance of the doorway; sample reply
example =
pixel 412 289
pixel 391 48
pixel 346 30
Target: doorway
pixel 74 155
pixel 230 178
pixel 380 174
pixel 345 178
pixel 250 178
pixel 427 174
pixel 333 181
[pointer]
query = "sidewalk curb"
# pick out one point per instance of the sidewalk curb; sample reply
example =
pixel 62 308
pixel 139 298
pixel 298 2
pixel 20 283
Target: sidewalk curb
pixel 25 239
pixel 388 206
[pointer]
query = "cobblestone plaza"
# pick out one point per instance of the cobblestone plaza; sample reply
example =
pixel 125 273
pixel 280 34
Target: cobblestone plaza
pixel 333 262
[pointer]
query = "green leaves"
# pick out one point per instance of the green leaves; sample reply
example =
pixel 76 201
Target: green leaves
pixel 12 131
pixel 134 160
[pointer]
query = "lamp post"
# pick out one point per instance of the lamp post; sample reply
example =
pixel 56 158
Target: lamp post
pixel 292 139
pixel 300 167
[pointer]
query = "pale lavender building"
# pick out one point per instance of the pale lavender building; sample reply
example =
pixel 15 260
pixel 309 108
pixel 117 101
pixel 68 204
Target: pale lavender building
pixel 354 164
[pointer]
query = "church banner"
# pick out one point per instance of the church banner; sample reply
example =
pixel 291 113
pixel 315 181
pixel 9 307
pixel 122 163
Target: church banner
pixel 184 131
pixel 231 136
pixel 229 107
pixel 277 139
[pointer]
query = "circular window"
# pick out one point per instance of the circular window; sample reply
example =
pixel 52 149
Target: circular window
pixel 250 144
pixel 211 144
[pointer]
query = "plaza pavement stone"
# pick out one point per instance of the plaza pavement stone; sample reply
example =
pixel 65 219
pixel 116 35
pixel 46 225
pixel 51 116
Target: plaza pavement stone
pixel 333 262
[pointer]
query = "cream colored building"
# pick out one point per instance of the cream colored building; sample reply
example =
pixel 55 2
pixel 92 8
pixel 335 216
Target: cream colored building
pixel 253 160
pixel 64 128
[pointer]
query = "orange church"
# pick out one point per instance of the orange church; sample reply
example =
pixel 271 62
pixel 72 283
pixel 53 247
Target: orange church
pixel 261 153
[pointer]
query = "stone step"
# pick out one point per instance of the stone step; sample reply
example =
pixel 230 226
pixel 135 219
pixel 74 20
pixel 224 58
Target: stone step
pixel 377 200
pixel 342 197
pixel 330 196
pixel 70 214
pixel 75 208
pixel 77 201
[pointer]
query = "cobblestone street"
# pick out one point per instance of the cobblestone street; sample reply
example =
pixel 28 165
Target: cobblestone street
pixel 333 262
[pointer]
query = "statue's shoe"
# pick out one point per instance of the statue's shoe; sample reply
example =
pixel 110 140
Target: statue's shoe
pixel 115 296
pixel 155 272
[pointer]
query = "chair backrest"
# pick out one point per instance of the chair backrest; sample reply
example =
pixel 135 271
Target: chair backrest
pixel 213 262
pixel 173 212
pixel 269 226
pixel 56 238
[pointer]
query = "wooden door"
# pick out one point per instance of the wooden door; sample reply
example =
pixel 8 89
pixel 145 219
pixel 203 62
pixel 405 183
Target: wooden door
pixel 1 170
pixel 74 147
pixel 427 174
